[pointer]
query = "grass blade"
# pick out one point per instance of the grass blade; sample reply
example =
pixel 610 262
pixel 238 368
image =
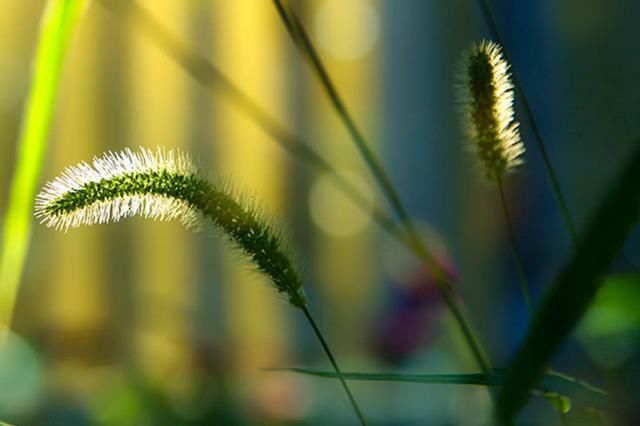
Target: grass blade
pixel 299 36
pixel 58 22
pixel 553 383
pixel 574 287
pixel 479 379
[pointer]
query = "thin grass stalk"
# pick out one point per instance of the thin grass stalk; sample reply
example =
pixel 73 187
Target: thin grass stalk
pixel 59 19
pixel 517 260
pixel 334 364
pixel 300 38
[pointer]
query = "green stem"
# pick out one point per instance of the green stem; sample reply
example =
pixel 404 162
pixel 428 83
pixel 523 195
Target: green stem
pixel 522 277
pixel 555 184
pixel 300 38
pixel 59 19
pixel 325 346
pixel 465 328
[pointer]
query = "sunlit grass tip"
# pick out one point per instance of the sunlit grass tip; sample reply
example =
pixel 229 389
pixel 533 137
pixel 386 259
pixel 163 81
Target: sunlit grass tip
pixel 486 97
pixel 163 185
pixel 118 185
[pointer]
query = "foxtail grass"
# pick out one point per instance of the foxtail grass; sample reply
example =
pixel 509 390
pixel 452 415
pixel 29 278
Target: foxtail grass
pixel 486 94
pixel 551 173
pixel 166 185
pixel 486 98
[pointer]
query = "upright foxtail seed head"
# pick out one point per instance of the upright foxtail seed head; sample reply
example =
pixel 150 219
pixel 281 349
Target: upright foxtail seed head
pixel 486 96
pixel 164 185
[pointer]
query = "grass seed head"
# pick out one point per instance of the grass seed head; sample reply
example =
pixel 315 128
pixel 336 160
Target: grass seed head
pixel 165 185
pixel 486 96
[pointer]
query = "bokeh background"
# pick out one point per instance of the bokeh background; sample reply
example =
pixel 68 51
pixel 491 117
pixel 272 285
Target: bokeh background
pixel 142 323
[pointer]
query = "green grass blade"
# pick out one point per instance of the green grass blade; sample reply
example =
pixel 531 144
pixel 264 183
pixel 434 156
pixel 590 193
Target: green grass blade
pixel 58 21
pixel 299 36
pixel 479 379
pixel 574 288
pixel 553 382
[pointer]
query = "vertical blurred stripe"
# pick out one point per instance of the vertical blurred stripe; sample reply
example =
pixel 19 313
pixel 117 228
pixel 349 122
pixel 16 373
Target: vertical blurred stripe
pixel 345 271
pixel 112 106
pixel 18 32
pixel 209 310
pixel 59 20
pixel 249 47
pixel 162 251
pixel 75 307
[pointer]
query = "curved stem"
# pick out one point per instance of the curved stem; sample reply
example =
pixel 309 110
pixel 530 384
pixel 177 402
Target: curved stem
pixel 325 346
pixel 522 277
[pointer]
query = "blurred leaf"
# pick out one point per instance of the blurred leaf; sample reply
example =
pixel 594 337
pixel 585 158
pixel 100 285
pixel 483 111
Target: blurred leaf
pixel 21 376
pixel 611 328
pixel 574 288
pixel 619 295
pixel 58 21
pixel 560 402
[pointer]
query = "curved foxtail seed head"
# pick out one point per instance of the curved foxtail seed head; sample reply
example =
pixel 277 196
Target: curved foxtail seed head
pixel 486 96
pixel 165 185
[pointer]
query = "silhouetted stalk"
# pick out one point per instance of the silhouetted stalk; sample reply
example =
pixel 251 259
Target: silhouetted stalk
pixel 522 277
pixel 332 359
pixel 299 36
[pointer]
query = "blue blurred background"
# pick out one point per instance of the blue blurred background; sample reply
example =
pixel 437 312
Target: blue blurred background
pixel 142 323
